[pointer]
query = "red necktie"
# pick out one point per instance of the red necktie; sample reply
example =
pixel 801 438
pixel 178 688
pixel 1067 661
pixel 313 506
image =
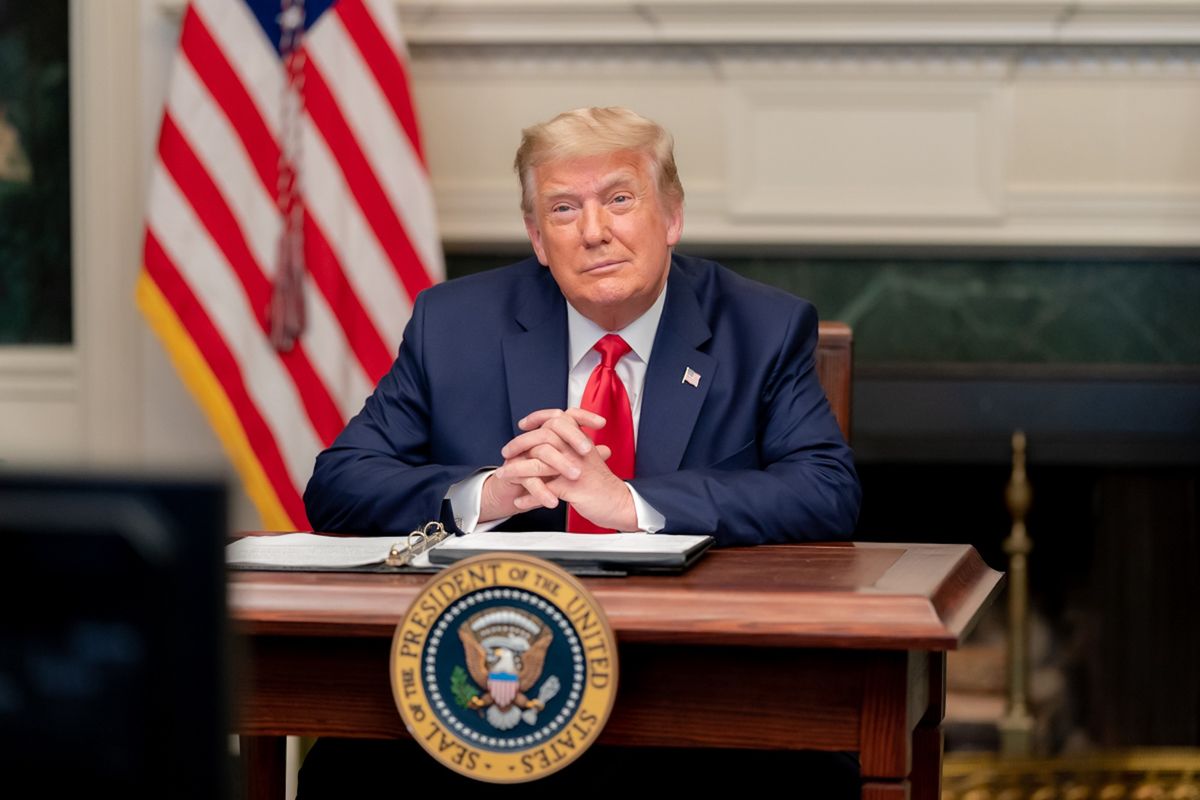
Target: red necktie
pixel 605 395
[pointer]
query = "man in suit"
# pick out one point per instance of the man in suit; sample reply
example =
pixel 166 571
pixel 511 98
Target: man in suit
pixel 513 397
pixel 646 391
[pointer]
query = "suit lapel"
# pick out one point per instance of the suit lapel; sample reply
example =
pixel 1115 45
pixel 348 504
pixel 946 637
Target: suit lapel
pixel 535 357
pixel 670 406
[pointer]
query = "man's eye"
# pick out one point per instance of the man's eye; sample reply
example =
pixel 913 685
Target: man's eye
pixel 560 208
pixel 622 198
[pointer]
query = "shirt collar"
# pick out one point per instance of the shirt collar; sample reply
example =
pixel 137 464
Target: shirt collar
pixel 639 334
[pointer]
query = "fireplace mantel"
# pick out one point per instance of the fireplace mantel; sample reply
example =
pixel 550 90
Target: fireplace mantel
pixel 440 22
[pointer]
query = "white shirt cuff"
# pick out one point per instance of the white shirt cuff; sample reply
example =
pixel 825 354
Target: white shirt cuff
pixel 649 520
pixel 466 497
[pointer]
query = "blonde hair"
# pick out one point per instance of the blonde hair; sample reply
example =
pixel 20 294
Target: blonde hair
pixel 588 132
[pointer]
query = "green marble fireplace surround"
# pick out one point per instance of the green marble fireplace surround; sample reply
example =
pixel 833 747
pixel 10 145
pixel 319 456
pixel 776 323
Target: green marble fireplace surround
pixel 987 309
pixel 1095 355
pixel 992 310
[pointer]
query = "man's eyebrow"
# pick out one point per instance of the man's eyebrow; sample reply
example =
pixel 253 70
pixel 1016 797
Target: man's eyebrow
pixel 618 177
pixel 606 183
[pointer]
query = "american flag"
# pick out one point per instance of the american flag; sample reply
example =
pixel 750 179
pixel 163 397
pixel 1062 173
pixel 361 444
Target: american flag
pixel 290 190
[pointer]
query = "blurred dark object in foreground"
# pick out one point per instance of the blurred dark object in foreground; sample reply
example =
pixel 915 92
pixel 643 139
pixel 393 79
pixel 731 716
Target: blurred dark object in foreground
pixel 113 677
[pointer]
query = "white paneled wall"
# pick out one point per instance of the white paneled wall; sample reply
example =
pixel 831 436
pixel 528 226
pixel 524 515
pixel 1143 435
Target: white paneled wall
pixel 820 143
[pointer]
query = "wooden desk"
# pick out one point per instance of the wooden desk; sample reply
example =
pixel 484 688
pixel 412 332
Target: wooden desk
pixel 828 647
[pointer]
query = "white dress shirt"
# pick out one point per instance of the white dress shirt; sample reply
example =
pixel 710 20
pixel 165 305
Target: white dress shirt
pixel 466 496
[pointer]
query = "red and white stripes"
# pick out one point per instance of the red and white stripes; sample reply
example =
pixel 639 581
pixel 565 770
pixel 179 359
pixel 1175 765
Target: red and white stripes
pixel 213 227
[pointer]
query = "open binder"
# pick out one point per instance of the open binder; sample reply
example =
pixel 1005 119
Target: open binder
pixel 432 547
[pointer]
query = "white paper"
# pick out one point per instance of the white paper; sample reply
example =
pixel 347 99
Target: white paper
pixel 314 551
pixel 301 550
pixel 582 543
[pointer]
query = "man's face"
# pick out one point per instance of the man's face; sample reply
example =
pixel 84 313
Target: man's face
pixel 600 226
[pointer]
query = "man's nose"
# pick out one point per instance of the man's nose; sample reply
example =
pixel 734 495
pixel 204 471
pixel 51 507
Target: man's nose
pixel 594 224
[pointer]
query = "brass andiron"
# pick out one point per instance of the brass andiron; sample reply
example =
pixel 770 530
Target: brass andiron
pixel 1016 726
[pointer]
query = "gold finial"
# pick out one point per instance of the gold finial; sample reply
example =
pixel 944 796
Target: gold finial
pixel 1018 495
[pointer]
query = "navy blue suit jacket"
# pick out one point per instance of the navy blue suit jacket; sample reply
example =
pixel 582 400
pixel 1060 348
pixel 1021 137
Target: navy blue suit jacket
pixel 752 454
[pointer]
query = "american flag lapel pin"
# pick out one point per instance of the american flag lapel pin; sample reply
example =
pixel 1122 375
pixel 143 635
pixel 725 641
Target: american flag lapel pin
pixel 691 378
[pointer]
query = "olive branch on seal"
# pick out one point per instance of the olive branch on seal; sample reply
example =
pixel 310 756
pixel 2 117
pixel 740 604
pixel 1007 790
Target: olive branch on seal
pixel 462 688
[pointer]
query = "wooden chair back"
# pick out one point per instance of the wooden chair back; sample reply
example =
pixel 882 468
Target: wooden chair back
pixel 834 359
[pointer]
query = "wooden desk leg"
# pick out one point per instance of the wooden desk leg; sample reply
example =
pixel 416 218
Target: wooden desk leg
pixel 903 694
pixel 927 763
pixel 927 736
pixel 884 746
pixel 264 764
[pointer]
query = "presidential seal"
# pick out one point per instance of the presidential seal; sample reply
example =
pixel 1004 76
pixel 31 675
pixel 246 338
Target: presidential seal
pixel 504 668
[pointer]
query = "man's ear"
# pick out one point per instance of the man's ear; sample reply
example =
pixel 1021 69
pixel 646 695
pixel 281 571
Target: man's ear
pixel 674 225
pixel 535 239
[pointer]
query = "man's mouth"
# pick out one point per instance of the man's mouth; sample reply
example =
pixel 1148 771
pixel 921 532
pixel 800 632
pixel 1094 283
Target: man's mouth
pixel 601 265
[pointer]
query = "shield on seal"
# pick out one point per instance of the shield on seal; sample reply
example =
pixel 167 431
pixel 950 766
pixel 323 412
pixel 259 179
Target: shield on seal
pixel 503 686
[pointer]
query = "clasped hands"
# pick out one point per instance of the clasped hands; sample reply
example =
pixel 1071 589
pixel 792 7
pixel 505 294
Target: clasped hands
pixel 555 460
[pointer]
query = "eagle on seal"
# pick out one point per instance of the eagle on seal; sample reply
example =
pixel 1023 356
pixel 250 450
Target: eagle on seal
pixel 505 651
